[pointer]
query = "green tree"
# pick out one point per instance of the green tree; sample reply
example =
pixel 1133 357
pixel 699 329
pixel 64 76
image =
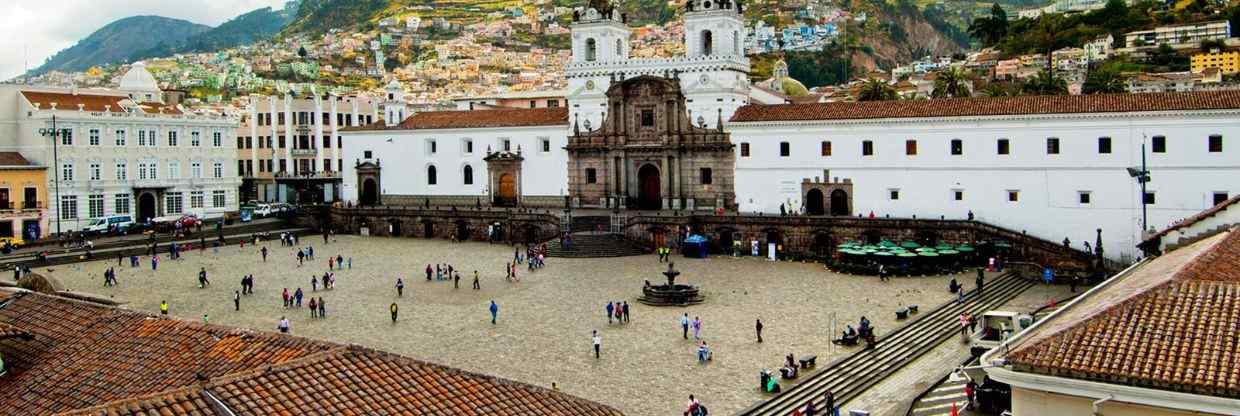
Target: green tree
pixel 301 51
pixel 875 89
pixel 952 83
pixel 990 30
pixel 1104 81
pixel 999 89
pixel 1045 84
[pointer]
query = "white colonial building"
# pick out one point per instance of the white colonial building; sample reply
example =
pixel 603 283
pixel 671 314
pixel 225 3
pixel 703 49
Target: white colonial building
pixel 1055 167
pixel 123 151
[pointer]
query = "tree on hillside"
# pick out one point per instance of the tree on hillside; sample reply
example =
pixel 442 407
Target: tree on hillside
pixel 1104 81
pixel 990 30
pixel 301 51
pixel 1046 35
pixel 875 89
pixel 952 83
pixel 1000 89
pixel 1045 84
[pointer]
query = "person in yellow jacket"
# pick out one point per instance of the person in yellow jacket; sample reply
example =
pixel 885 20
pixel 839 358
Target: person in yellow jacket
pixel 163 309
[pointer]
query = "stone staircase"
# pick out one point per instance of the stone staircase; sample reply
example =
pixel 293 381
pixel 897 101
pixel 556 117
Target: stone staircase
pixel 938 402
pixel 590 223
pixel 590 245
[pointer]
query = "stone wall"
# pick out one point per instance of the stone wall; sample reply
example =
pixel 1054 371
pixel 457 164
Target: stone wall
pixel 515 225
pixel 467 201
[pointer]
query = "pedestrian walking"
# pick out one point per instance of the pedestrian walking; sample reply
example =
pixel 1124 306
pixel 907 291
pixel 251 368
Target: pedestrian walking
pixel 1072 283
pixel 283 325
pixel 960 296
pixel 626 312
pixel 298 296
pixel 394 310
pixel 163 309
pixel 456 280
pixel 829 402
pixel 684 326
pixel 322 308
pixel 494 312
pixel 610 308
pixel 314 284
pixel 400 288
pixel 237 300
pixel 981 281
pixel 428 272
pixel 598 343
pixel 964 324
pixel 264 251
pixel 286 297
pixel 331 261
pixel 476 285
pixel 758 327
pixel 314 308
pixel 697 328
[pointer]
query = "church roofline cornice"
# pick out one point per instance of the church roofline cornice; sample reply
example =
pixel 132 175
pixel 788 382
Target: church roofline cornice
pixel 1012 117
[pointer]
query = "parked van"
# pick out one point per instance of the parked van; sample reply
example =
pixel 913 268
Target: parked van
pixel 119 223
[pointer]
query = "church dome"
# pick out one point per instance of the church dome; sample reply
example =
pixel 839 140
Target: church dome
pixel 793 88
pixel 139 79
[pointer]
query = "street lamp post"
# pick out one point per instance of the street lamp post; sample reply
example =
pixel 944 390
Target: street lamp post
pixel 1142 176
pixel 56 134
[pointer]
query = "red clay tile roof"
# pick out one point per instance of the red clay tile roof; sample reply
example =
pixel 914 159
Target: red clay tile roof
pixel 10 331
pixel 508 117
pixel 1187 222
pixel 1176 332
pixel 158 108
pixel 992 106
pixel 87 359
pixel 67 101
pixel 9 159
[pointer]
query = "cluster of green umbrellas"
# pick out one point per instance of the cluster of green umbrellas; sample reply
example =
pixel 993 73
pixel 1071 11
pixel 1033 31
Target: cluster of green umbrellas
pixel 906 249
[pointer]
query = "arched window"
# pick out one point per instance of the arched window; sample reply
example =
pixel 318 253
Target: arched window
pixel 736 43
pixel 432 176
pixel 708 42
pixel 468 174
pixel 591 50
pixel 619 48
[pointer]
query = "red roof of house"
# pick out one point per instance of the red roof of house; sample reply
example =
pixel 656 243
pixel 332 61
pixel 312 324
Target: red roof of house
pixel 10 331
pixel 1169 325
pixel 86 358
pixel 991 106
pixel 70 101
pixel 1187 222
pixel 507 117
pixel 11 159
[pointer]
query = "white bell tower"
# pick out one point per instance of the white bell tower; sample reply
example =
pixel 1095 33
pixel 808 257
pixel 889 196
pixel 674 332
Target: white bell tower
pixel 599 33
pixel 394 109
pixel 714 28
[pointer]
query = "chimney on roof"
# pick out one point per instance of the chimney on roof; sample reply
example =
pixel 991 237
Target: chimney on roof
pixel 54 105
pixel 107 107
pixel 81 107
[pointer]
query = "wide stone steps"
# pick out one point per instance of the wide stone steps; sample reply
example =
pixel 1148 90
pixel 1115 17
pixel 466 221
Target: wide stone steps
pixel 851 375
pixel 594 245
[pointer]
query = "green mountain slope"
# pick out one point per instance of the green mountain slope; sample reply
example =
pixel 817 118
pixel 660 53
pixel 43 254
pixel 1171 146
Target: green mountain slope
pixel 248 28
pixel 117 41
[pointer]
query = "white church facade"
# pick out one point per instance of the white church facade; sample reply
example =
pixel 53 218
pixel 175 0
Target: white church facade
pixel 1053 167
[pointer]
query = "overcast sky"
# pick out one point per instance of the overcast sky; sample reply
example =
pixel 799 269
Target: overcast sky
pixel 34 30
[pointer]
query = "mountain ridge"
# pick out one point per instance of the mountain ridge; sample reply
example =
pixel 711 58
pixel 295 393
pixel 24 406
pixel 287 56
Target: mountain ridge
pixel 115 41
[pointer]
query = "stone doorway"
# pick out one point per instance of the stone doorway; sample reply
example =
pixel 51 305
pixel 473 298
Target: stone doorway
pixel 370 192
pixel 147 207
pixel 649 196
pixel 814 204
pixel 507 195
pixel 839 203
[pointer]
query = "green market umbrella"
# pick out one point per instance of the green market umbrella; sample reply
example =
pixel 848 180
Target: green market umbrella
pixel 964 249
pixel 943 247
pixel 928 254
pixel 886 243
pixel 883 253
pixel 909 244
pixel 948 252
pixel 907 255
pixel 925 250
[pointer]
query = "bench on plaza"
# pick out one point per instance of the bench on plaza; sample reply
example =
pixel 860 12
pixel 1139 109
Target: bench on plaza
pixel 902 314
pixel 808 361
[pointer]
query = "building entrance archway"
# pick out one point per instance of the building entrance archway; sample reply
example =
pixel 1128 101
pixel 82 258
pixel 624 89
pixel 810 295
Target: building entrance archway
pixel 839 203
pixel 507 191
pixel 370 192
pixel 649 196
pixel 814 202
pixel 147 207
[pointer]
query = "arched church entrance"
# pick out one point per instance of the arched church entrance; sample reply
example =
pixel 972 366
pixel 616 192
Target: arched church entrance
pixel 146 207
pixel 370 192
pixel 649 183
pixel 814 202
pixel 839 203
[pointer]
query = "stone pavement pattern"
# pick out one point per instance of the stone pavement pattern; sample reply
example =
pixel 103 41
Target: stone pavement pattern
pixel 543 335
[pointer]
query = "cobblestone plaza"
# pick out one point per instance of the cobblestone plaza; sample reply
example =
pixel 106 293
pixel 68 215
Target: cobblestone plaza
pixel 543 333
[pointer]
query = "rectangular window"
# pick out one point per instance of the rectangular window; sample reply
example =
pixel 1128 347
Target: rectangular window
pixel 66 139
pixel 120 137
pixel 785 149
pixel 94 137
pixel 196 200
pixel 241 166
pixel 867 148
pixel 910 147
pixel 1052 145
pixel 172 139
pixel 647 118
pixel 1159 144
pixel 546 145
pixel 507 145
pixel 68 207
pixel 893 194
pixel 217 170
pixel 826 148
pixel 1013 196
pixel 122 171
pixel 1002 147
pixel 66 171
pixel 1220 197
pixel 96 172
pixel 151 138
pixel 282 144
pixel 1216 143
pixel 141 137
pixel 957 147
pixel 174 203
pixel 174 170
pixel 591 175
pixel 121 203
pixel 240 142
pixel 958 195
pixel 217 139
pixel 142 171
pixel 706 176
pixel 1149 198
pixel 1104 145
pixel 94 206
pixel 195 169
pixel 432 147
pixel 744 149
pixel 1084 197
pixel 367 155
pixel 327 142
pixel 218 199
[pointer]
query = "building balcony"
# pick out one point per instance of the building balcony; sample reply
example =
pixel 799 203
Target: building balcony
pixel 31 205
pixel 320 175
pixel 303 152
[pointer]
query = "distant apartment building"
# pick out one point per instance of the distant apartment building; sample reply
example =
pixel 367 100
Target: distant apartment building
pixel 288 149
pixel 1174 81
pixel 1226 61
pixel 23 195
pixel 1099 49
pixel 524 99
pixel 1182 34
pixel 121 151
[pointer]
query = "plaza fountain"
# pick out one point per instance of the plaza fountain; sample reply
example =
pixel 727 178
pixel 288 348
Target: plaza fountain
pixel 670 294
